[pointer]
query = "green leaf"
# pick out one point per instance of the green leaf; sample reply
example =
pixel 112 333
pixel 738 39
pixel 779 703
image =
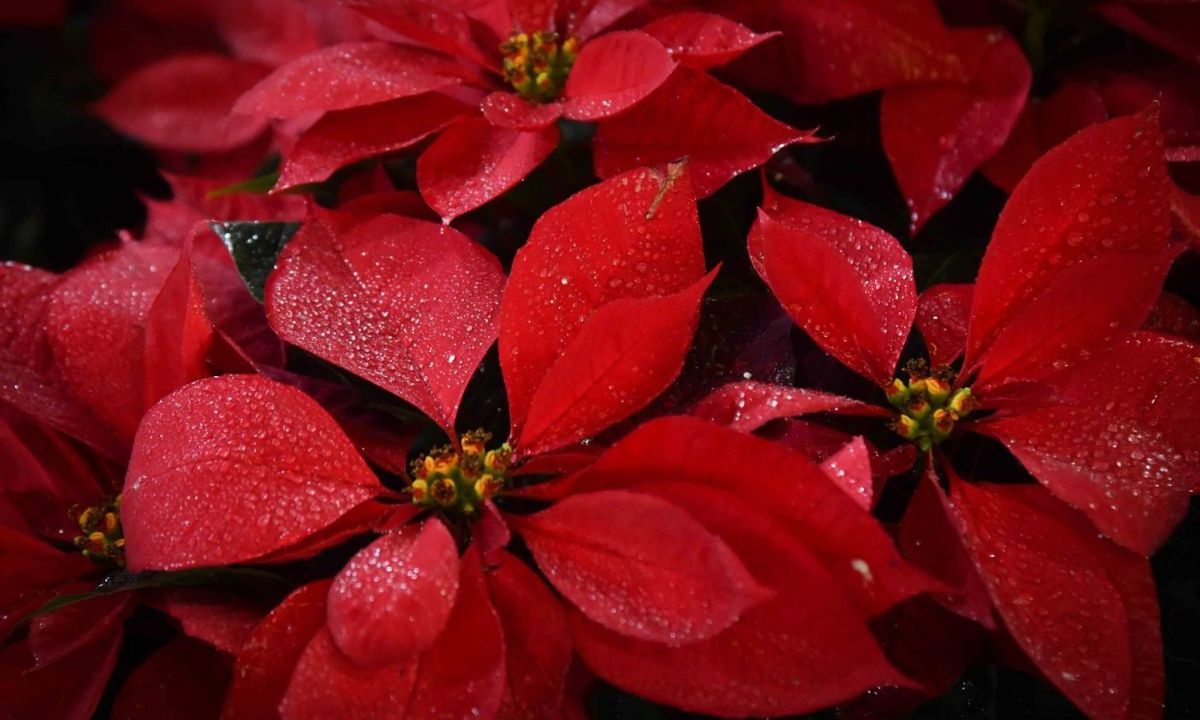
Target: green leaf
pixel 254 247
pixel 257 185
pixel 248 580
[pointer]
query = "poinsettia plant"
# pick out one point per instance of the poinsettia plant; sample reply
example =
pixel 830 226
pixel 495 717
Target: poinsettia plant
pixel 599 358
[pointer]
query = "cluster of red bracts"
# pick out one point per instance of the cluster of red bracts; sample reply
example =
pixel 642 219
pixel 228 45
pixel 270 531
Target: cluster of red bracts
pixel 714 551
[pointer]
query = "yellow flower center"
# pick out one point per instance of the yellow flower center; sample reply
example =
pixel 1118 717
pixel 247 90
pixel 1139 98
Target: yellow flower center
pixel 101 537
pixel 537 64
pixel 928 408
pixel 462 478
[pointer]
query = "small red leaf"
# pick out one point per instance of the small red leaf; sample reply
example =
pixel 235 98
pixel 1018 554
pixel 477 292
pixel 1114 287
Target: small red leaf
pixel 933 154
pixel 692 116
pixel 537 645
pixel 1048 575
pixel 703 40
pixel 850 469
pixel 510 110
pixel 393 598
pixel 861 304
pixel 327 684
pixel 183 680
pixel 96 325
pixel 232 468
pixel 625 354
pixel 943 312
pixel 1104 190
pixel 223 620
pixel 407 304
pixel 1175 316
pixel 640 566
pixel 265 664
pixel 632 236
pixel 184 103
pixel 178 333
pixel 613 72
pixel 747 406
pixel 346 136
pixel 346 76
pixel 1173 26
pixel 475 161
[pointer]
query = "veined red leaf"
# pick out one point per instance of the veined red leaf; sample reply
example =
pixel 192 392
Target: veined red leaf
pixel 346 136
pixel 67 690
pixel 265 664
pixel 697 117
pixel 393 598
pixel 747 406
pixel 802 649
pixel 537 644
pixel 30 380
pixel 184 103
pixel 510 110
pixel 475 161
pixel 640 566
pixel 344 76
pixel 848 284
pixel 445 27
pixel 943 312
pixel 632 236
pixel 837 48
pixel 1055 330
pixel 232 468
pixel 613 72
pixel 625 354
pixel 703 40
pixel 933 154
pixel 178 333
pixel 327 684
pixel 407 304
pixel 1049 577
pixel 851 545
pixel 96 326
pixel 1104 190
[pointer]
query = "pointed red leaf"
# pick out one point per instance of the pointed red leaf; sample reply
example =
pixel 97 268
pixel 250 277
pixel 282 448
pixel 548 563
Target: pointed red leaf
pixel 392 599
pixel 850 469
pixel 344 76
pixel 1049 577
pixel 1121 446
pixel 1175 316
pixel 804 648
pixel 1174 27
pixel 327 684
pixel 1055 330
pixel 184 103
pixel 703 40
pixel 265 664
pixel 1104 190
pixel 510 110
pixel 445 27
pixel 861 305
pixel 223 620
pixel 232 468
pixel 67 690
pixel 633 236
pixel 347 136
pixel 613 72
pixel 692 116
pixel 537 646
pixel 853 547
pixel 930 540
pixel 933 154
pixel 640 567
pixel 184 679
pixel 407 304
pixel 943 312
pixel 60 634
pixel 838 48
pixel 463 675
pixel 178 333
pixel 30 380
pixel 475 161
pixel 625 354
pixel 747 406
pixel 96 325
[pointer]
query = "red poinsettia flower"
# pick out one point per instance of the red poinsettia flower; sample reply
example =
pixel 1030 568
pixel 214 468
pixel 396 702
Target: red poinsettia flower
pixel 1054 367
pixel 491 80
pixel 655 548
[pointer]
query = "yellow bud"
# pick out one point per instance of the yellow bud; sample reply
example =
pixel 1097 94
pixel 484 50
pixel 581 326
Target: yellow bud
pixel 962 403
pixel 419 489
pixel 936 390
pixel 908 428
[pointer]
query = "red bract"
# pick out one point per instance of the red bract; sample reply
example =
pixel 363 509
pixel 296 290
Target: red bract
pixel 561 62
pixel 1100 414
pixel 435 617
